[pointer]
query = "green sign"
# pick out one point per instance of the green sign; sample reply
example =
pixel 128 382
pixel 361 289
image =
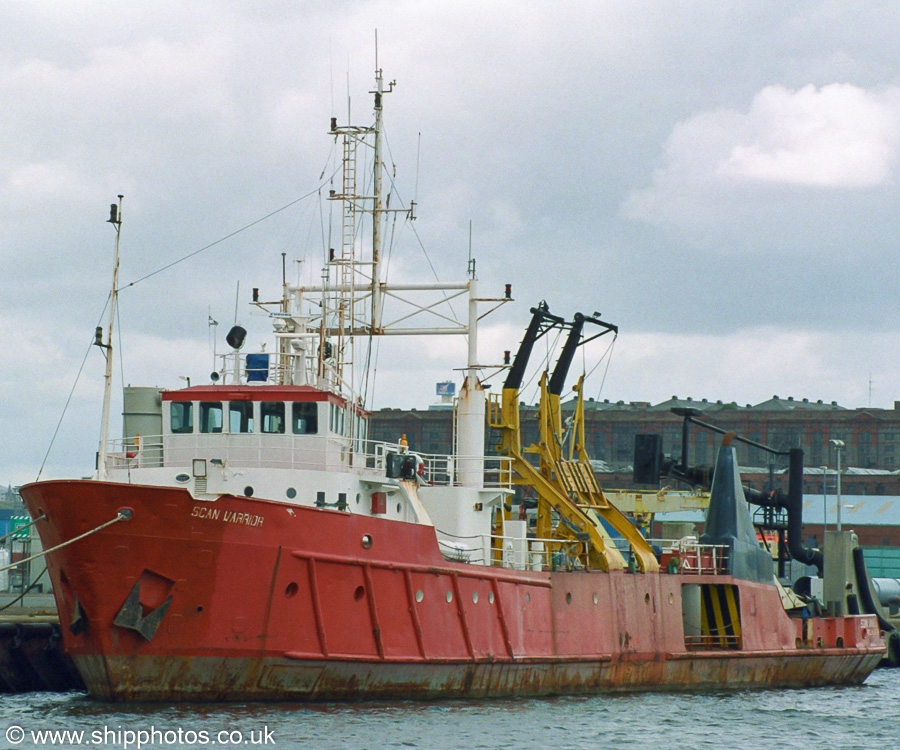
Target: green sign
pixel 18 522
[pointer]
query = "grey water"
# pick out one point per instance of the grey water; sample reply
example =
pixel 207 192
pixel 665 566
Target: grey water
pixel 833 717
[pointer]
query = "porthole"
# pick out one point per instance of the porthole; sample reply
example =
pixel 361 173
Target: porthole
pixel 366 541
pixel 420 595
pixel 646 598
pixel 357 498
pixel 474 597
pixel 398 507
pixel 359 593
pixel 527 597
pixel 596 597
pixel 671 598
pixel 449 597
pixel 569 597
pixel 200 608
pixel 291 590
pixel 491 597
pixel 291 493
pixel 248 491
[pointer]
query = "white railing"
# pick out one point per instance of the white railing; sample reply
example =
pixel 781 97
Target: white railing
pixel 689 557
pixel 514 552
pixel 685 556
pixel 301 452
pixel 442 469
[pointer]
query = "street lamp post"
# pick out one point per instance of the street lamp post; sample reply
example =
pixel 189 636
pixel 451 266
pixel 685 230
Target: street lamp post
pixel 824 500
pixel 838 447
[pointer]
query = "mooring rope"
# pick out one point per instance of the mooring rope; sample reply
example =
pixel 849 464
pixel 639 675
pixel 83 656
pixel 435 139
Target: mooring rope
pixel 21 596
pixel 122 515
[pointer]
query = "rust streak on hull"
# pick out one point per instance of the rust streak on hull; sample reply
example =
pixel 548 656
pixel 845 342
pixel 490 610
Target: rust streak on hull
pixel 212 679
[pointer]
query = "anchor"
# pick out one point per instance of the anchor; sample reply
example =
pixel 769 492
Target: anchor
pixel 132 615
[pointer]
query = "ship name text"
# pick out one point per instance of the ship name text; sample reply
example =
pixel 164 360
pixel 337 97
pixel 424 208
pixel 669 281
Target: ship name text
pixel 228 516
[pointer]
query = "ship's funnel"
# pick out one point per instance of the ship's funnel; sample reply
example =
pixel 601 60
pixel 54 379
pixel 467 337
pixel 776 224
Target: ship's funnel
pixel 728 521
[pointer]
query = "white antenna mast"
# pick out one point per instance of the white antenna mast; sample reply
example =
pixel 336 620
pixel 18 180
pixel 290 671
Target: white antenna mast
pixel 115 218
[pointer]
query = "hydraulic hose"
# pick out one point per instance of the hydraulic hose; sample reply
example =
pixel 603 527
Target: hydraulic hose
pixel 793 504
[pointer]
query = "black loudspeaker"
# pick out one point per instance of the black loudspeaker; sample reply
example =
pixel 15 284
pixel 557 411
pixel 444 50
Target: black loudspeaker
pixel 236 336
pixel 647 458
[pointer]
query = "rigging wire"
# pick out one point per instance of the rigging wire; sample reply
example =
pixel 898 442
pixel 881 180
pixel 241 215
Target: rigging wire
pixel 226 237
pixel 144 278
pixel 607 355
pixel 121 374
pixel 413 228
pixel 545 362
pixel 71 393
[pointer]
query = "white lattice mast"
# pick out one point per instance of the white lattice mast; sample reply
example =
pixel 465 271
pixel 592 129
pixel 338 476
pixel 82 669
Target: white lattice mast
pixel 357 279
pixel 353 296
pixel 346 295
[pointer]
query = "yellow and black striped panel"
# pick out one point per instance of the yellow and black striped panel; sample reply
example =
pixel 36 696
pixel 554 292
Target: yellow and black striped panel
pixel 720 615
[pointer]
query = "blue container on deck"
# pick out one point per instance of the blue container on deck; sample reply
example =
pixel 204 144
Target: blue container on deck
pixel 257 368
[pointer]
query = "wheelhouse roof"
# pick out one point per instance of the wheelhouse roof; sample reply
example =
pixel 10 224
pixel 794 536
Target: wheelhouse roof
pixel 298 393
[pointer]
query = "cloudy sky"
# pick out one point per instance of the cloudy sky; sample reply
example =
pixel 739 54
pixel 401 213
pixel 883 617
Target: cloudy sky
pixel 718 178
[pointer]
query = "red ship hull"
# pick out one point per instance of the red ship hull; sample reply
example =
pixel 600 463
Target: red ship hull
pixel 244 598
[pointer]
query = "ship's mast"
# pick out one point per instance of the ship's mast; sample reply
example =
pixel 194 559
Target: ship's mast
pixel 345 310
pixel 115 218
pixel 378 208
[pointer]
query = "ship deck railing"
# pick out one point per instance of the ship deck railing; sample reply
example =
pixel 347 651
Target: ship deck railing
pixel 517 553
pixel 689 557
pixel 685 557
pixel 303 453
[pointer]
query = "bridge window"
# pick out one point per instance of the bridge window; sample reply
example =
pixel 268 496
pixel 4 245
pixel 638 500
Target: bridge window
pixel 182 414
pixel 210 416
pixel 271 416
pixel 305 419
pixel 360 433
pixel 240 416
pixel 337 419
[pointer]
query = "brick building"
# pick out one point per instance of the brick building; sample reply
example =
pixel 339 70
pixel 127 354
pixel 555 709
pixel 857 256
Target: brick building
pixel 870 459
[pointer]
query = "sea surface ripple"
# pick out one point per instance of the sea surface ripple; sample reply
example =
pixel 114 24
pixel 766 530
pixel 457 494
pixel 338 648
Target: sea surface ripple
pixel 833 717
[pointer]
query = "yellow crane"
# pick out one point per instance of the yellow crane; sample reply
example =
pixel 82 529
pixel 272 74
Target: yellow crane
pixel 571 506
